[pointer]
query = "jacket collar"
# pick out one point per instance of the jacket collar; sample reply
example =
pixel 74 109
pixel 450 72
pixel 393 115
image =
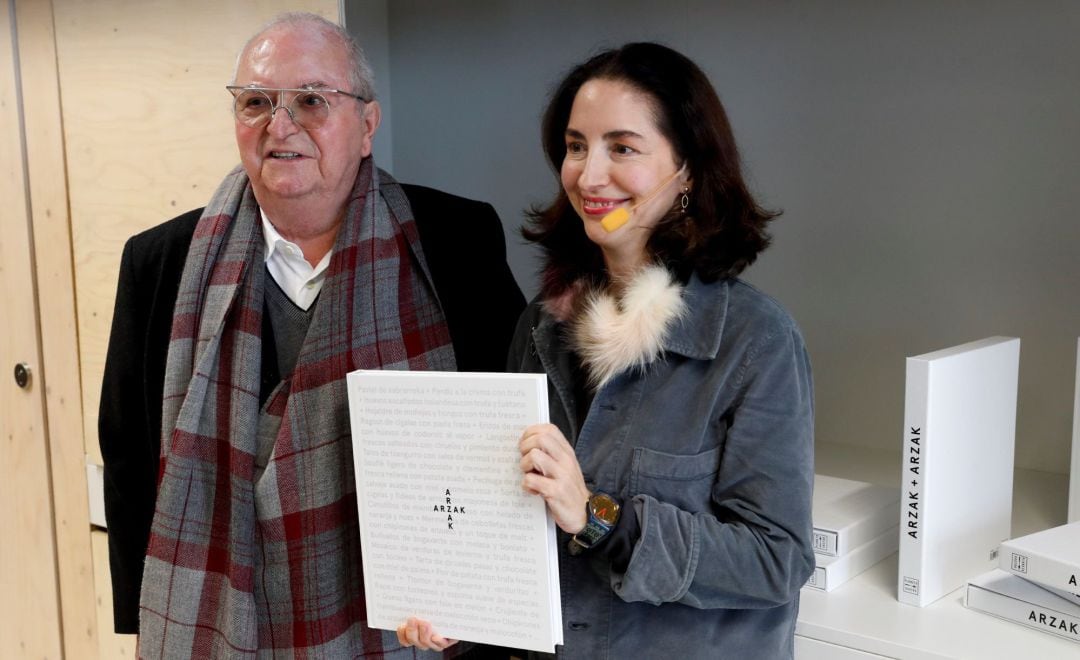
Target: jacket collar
pixel 697 335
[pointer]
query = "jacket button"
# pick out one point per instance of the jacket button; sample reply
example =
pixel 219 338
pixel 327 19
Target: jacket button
pixel 578 625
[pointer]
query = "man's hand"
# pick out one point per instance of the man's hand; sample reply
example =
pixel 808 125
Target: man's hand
pixel 418 633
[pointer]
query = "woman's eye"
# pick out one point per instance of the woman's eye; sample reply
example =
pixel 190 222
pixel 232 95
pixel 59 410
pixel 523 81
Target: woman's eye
pixel 623 150
pixel 575 148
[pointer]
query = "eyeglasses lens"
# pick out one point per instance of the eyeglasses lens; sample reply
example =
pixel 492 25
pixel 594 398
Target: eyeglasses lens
pixel 255 108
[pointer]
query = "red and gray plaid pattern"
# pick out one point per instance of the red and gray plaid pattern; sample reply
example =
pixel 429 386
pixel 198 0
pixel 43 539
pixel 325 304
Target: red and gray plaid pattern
pixel 241 566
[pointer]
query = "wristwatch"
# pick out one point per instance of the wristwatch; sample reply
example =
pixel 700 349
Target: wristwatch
pixel 602 513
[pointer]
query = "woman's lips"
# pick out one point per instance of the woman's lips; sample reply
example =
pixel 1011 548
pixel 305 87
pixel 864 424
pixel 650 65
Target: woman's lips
pixel 599 206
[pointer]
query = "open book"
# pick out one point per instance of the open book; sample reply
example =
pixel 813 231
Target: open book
pixel 446 531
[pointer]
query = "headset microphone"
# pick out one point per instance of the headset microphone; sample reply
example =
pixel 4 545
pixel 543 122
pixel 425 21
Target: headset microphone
pixel 621 215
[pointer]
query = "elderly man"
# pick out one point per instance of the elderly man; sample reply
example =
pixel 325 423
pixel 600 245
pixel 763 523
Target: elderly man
pixel 224 420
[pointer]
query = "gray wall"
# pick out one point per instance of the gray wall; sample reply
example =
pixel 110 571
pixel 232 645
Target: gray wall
pixel 369 22
pixel 924 155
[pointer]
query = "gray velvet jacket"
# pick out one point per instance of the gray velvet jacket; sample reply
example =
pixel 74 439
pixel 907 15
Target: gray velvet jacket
pixel 712 448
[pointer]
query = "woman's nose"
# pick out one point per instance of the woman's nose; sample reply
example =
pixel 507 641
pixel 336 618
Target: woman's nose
pixel 594 171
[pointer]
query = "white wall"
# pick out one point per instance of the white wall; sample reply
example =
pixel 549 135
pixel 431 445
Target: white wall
pixel 925 156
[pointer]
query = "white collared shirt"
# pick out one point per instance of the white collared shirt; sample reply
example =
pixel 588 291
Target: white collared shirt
pixel 286 263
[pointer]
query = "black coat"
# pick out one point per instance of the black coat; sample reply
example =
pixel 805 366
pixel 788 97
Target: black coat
pixel 463 245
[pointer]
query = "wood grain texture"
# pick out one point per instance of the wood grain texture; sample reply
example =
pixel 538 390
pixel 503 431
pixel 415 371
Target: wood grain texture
pixel 59 334
pixel 134 128
pixel 149 132
pixel 30 607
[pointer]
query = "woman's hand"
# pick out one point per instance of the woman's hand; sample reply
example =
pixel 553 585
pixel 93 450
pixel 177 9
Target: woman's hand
pixel 552 471
pixel 418 633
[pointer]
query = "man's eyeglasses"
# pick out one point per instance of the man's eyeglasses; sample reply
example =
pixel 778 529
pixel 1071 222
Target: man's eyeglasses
pixel 255 106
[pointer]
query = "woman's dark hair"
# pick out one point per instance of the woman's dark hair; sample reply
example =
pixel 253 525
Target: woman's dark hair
pixel 721 232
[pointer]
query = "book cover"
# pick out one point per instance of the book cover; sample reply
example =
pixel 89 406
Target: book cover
pixel 1012 598
pixel 1074 472
pixel 448 534
pixel 831 572
pixel 1050 557
pixel 956 466
pixel 848 513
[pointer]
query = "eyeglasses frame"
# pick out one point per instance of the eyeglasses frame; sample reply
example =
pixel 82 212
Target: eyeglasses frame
pixel 270 93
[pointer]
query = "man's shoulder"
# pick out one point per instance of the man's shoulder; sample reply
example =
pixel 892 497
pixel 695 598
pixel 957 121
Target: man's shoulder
pixel 452 225
pixel 160 251
pixel 169 235
pixel 426 201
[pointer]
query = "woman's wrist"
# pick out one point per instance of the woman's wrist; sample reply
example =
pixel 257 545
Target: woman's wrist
pixel 582 518
pixel 601 515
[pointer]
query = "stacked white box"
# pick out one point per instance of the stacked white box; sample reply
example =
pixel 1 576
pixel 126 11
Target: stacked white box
pixel 957 465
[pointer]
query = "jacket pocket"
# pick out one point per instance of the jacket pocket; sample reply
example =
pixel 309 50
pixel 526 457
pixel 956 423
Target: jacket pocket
pixel 682 480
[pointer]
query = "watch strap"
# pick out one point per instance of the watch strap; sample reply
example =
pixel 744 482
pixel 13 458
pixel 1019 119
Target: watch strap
pixel 595 529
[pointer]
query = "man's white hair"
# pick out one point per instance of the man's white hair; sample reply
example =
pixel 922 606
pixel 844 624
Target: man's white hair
pixel 361 77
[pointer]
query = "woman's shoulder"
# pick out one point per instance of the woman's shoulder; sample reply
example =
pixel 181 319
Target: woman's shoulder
pixel 749 304
pixel 748 320
pixel 750 299
pixel 758 331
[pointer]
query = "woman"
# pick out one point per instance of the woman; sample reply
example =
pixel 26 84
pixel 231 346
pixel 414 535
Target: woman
pixel 679 461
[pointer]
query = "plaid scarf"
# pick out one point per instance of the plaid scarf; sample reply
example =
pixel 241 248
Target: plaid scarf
pixel 245 564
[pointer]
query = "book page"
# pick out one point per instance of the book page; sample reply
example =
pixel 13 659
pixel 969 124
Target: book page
pixel 1074 471
pixel 447 532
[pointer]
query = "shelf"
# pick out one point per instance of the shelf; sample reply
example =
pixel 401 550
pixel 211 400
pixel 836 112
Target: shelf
pixel 865 615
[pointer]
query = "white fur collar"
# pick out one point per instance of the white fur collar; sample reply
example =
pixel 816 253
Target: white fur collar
pixel 612 335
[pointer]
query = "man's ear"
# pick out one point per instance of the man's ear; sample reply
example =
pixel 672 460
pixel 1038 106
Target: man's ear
pixel 372 117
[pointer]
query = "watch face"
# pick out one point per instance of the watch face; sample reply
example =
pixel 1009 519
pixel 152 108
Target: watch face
pixel 605 508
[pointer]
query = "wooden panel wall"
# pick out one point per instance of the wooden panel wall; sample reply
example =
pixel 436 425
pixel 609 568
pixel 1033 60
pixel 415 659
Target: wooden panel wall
pixel 59 335
pixel 130 126
pixel 29 606
pixel 148 129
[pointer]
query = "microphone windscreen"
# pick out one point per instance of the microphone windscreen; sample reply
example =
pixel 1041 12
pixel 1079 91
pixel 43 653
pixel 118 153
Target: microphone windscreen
pixel 615 219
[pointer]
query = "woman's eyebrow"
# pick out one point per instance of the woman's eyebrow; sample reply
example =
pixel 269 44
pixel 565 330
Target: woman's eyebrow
pixel 621 134
pixel 610 135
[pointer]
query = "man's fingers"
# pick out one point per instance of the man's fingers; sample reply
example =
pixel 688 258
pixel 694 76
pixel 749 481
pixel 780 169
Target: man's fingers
pixel 407 633
pixel 419 633
pixel 424 634
pixel 440 643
